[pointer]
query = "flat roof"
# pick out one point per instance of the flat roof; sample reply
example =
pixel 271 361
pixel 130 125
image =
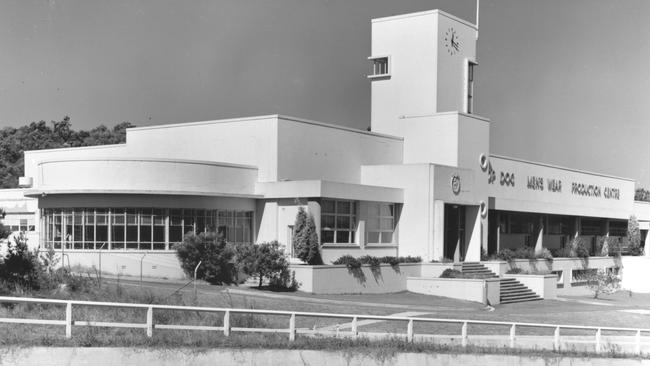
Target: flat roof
pixel 560 167
pixel 266 117
pixel 424 13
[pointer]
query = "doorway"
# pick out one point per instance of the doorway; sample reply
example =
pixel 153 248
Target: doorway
pixel 455 232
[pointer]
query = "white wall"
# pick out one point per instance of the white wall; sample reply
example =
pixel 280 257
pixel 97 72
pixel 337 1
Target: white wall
pixel 451 68
pixel 415 235
pixel 145 175
pixel 248 141
pixel 519 197
pixel 410 41
pixel 316 151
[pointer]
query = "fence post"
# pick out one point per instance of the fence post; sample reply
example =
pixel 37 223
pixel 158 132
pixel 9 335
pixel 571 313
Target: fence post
pixel 150 321
pixel 637 348
pixel 68 320
pixel 409 331
pixel 512 335
pixel 556 339
pixel 292 327
pixel 598 334
pixel 463 335
pixel 226 323
pixel 354 327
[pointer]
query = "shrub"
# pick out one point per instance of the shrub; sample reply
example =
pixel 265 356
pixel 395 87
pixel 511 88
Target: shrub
pixel 515 270
pixel 634 236
pixel 451 273
pixel 506 255
pixel 561 252
pixel 545 254
pixel 349 261
pixel 604 249
pixel 265 260
pixel 409 259
pixel 21 267
pixel 305 238
pixel 602 282
pixel 393 261
pixel 580 251
pixel 214 253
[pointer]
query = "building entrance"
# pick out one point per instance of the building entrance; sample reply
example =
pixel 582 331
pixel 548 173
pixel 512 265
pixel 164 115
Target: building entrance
pixel 455 232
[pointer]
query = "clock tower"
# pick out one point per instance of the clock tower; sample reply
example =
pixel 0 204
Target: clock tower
pixel 423 71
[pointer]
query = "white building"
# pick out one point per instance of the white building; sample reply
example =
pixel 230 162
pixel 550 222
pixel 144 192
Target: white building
pixel 422 183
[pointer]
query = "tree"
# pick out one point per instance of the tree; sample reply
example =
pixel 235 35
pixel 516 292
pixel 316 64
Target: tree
pixel 214 253
pixel 305 238
pixel 21 266
pixel 265 260
pixel 603 282
pixel 641 194
pixel 634 236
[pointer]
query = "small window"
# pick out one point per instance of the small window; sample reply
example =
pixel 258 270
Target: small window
pixel 380 224
pixel 469 87
pixel 338 222
pixel 380 66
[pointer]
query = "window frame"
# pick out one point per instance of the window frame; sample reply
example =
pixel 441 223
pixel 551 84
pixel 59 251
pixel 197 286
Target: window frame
pixel 377 60
pixel 393 207
pixel 352 216
pixel 468 87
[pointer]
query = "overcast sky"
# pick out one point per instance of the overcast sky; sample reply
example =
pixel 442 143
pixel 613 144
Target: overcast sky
pixel 564 82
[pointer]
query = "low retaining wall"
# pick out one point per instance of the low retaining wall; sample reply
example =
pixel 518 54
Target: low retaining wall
pixel 543 285
pixel 479 290
pixel 564 265
pixel 104 356
pixel 337 279
pixel 634 274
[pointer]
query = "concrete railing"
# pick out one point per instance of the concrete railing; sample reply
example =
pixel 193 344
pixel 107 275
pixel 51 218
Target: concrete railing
pixel 148 324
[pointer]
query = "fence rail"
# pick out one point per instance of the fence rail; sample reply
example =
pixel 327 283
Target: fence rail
pixel 634 337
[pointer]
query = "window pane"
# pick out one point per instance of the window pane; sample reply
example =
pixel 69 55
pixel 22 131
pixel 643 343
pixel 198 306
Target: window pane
pixel 327 222
pixel 132 233
pixel 327 236
pixel 343 222
pixel 159 234
pixel 343 207
pixel 101 235
pixel 118 216
pixel 372 224
pixel 386 210
pixel 327 206
pixel 386 237
pixel 342 236
pixel 386 224
pixel 145 234
pixel 373 237
pixel 175 234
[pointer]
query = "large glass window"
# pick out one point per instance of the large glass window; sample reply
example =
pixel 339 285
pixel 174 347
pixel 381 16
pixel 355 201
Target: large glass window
pixel 617 228
pixel 560 225
pixel 143 229
pixel 380 224
pixel 591 227
pixel 338 221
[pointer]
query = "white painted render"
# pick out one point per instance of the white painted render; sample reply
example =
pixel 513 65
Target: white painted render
pixel 423 154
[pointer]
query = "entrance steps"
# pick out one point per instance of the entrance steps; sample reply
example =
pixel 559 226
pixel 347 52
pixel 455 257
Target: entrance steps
pixel 511 290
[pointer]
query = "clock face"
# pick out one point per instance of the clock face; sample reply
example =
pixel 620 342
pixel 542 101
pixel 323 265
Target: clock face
pixel 452 42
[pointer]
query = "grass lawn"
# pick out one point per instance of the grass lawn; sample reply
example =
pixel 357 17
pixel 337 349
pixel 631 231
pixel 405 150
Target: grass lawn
pixel 577 308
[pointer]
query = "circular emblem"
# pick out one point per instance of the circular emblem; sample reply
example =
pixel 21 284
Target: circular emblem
pixel 452 42
pixel 455 183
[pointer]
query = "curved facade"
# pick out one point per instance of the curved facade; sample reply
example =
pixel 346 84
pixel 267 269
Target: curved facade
pixel 144 176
